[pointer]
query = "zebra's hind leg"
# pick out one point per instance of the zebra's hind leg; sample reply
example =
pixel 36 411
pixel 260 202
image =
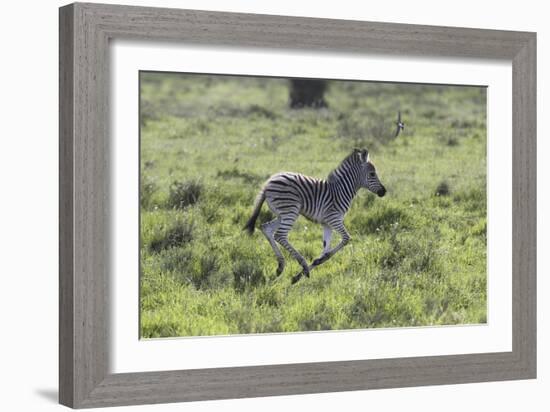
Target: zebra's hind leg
pixel 283 241
pixel 281 236
pixel 269 229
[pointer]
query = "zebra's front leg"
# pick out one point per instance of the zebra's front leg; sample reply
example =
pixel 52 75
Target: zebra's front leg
pixel 327 254
pixel 327 236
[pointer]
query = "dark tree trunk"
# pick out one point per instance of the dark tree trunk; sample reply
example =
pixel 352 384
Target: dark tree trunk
pixel 307 93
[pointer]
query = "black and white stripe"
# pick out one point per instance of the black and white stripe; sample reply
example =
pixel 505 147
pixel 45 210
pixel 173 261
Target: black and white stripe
pixel 289 195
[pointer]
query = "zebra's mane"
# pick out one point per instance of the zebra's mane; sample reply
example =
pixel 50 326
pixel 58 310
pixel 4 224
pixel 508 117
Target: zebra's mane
pixel 353 157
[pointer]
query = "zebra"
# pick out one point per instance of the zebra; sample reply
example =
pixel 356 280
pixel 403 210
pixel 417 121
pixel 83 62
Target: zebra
pixel 326 202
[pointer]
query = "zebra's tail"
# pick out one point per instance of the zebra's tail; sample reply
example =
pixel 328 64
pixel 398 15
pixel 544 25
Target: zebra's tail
pixel 250 225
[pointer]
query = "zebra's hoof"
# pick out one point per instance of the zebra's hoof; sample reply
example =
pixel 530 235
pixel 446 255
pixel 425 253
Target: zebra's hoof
pixel 280 269
pixel 295 278
pixel 320 260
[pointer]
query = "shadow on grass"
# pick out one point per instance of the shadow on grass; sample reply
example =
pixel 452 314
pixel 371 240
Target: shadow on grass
pixel 51 395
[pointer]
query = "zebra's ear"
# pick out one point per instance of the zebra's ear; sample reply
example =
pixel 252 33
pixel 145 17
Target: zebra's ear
pixel 364 155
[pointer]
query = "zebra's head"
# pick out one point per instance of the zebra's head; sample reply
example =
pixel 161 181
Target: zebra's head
pixel 369 177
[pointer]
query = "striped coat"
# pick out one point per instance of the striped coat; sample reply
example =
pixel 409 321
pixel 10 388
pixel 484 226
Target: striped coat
pixel 289 195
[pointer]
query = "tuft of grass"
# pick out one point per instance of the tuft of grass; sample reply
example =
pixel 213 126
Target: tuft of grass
pixel 247 274
pixel 269 296
pixel 480 229
pixel 261 111
pixel 366 308
pixel 205 273
pixel 395 253
pixel 365 132
pixel 175 260
pixel 380 219
pixel 443 189
pixel 321 317
pixel 452 141
pixel 183 194
pixel 473 198
pixel 147 189
pixel 180 233
pixel 147 113
pixel 162 329
pixel 235 173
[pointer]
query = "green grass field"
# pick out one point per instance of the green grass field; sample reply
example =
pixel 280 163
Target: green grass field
pixel 417 256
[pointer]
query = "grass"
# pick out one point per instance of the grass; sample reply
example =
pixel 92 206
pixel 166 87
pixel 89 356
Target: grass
pixel 418 255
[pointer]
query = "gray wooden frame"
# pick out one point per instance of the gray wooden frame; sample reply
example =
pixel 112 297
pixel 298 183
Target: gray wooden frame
pixel 85 31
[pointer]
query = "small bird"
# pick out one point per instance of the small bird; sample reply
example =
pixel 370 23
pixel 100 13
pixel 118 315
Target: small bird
pixel 400 125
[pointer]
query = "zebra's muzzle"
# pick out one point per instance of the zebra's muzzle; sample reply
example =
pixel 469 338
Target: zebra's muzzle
pixel 381 192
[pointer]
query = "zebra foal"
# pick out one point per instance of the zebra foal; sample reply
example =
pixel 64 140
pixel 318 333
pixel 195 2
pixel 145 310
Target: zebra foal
pixel 289 195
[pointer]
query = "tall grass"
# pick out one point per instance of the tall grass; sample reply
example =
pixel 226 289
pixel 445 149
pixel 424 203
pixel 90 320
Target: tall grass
pixel 418 255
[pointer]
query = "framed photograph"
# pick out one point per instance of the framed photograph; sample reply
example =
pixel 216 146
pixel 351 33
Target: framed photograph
pixel 256 205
